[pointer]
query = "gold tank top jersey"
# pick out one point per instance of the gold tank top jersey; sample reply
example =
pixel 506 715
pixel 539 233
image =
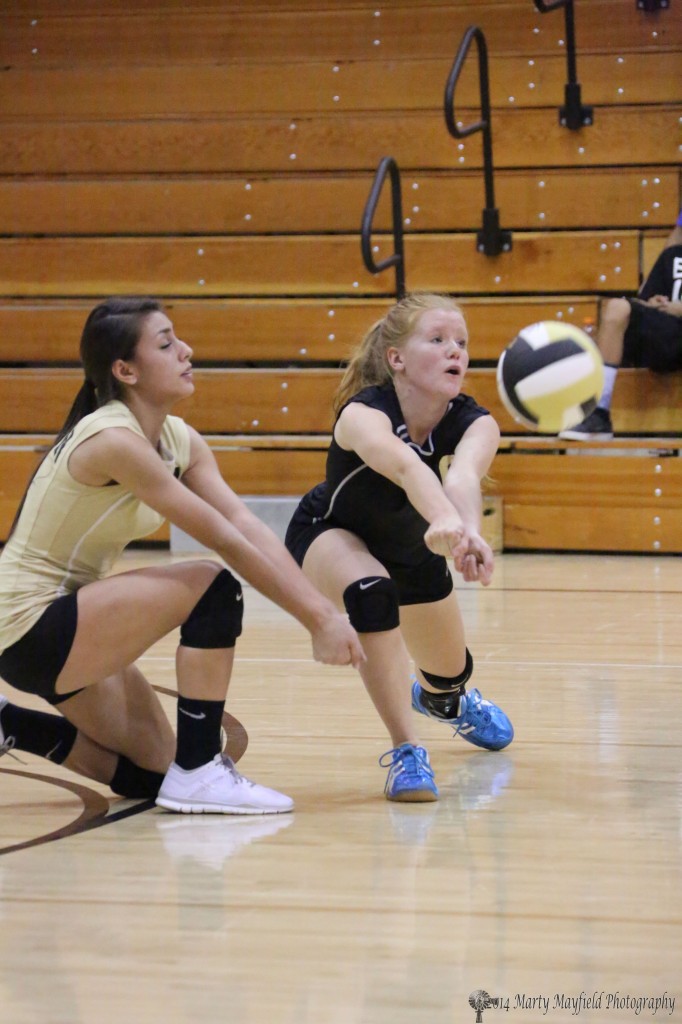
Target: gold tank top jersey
pixel 70 533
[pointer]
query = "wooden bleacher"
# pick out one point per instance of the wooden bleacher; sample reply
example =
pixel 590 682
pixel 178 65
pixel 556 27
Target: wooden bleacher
pixel 218 154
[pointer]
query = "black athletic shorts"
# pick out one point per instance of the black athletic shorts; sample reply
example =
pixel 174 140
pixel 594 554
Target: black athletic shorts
pixel 424 582
pixel 34 662
pixel 653 339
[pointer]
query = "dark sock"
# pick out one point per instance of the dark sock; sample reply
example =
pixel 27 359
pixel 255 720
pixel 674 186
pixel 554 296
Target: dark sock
pixel 37 732
pixel 445 705
pixel 199 724
pixel 134 782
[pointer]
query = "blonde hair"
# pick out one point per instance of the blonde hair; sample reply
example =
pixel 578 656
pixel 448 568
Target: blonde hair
pixel 368 364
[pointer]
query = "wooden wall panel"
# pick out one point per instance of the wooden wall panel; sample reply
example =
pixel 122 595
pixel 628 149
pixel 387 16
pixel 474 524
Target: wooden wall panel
pixel 340 142
pixel 122 92
pixel 36 33
pixel 314 265
pixel 299 330
pixel 432 201
pixel 299 401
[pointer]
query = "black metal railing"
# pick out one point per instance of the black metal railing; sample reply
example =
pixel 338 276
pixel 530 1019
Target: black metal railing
pixel 573 114
pixel 491 240
pixel 387 165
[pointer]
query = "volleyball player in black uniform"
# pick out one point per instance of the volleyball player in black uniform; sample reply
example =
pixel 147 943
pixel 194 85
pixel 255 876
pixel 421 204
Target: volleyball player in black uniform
pixel 374 535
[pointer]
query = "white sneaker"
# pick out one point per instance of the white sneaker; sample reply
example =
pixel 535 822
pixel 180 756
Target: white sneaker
pixel 218 788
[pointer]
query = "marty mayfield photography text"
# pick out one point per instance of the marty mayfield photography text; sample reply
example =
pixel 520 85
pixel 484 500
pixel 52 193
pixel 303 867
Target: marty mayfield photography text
pixel 648 1005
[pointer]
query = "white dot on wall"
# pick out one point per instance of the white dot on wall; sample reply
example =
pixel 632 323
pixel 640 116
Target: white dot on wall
pixel 461 159
pixel 247 216
pixel 285 408
pixel 34 21
pixel 377 14
pixel 536 31
pixel 335 68
pixel 581 149
pixel 356 284
pixel 657 545
pixel 559 315
pixel 658 492
pixel 415 185
pixel 336 99
pixel 571 309
pixel 498 279
pixel 284 385
pixel 541 184
pixel 541 216
pixel 201 281
pixel 292 156
pixel 657 181
pixel 460 146
pixel 200 252
pixel 656 206
pixel 531 63
pixel 303 352
pixel 377 42
pixel 375 248
pixel 560 42
pixel 511 99
pixel 616 245
pixel 248 186
pixel 621 60
pixel 292 126
pixel 34 50
pixel 654 35
pixel 603 246
pixel 645 213
pixel 255 423
pixel 621 90
pixel 657 520
pixel 331 312
pixel 531 85
pixel 415 209
pixel 407 220
pixel 330 337
pixel 602 277
pixel 658 468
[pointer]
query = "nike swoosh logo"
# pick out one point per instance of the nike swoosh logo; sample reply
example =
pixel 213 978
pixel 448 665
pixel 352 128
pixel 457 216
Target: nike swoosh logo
pixel 191 715
pixel 366 586
pixel 239 597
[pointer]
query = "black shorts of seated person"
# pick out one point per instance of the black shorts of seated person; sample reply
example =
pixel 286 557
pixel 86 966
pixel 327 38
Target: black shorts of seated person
pixel 34 662
pixel 653 339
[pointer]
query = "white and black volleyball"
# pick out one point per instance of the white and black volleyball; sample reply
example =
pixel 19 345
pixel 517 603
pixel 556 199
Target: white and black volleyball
pixel 550 376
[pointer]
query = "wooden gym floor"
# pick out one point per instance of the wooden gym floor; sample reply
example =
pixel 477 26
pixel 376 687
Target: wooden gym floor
pixel 547 872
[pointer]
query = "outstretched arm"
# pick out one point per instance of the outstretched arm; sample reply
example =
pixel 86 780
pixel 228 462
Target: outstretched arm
pixel 368 432
pixel 470 463
pixel 208 510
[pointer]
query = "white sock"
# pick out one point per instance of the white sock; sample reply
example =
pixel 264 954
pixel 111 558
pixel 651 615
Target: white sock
pixel 610 373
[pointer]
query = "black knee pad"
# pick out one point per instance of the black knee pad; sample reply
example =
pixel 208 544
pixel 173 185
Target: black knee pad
pixel 134 782
pixel 216 619
pixel 372 604
pixel 451 682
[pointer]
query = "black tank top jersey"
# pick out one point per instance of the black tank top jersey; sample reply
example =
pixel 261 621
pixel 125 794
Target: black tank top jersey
pixel 357 498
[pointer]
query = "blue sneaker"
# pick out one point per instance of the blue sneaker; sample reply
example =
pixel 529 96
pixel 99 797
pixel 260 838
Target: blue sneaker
pixel 410 776
pixel 479 721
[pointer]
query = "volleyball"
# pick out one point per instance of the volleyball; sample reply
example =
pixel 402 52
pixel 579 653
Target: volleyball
pixel 550 377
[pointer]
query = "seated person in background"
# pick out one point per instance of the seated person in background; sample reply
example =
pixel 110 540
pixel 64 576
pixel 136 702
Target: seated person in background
pixel 643 331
